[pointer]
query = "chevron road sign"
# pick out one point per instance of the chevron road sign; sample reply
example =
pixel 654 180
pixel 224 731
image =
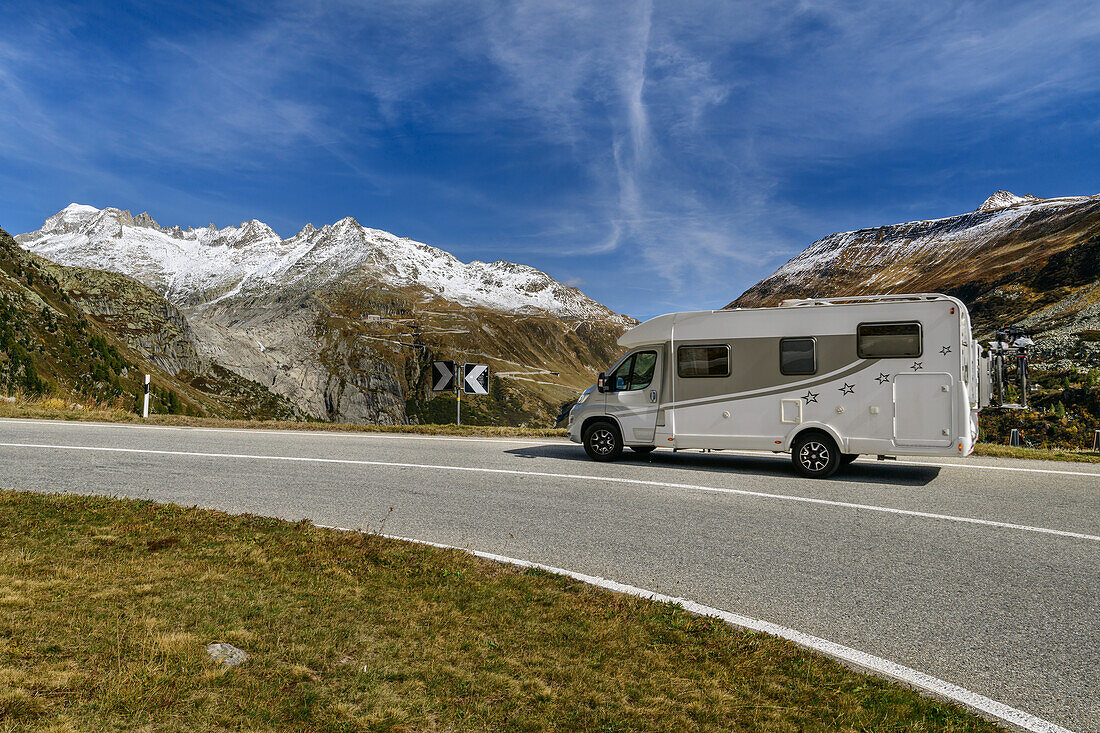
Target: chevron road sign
pixel 475 379
pixel 443 376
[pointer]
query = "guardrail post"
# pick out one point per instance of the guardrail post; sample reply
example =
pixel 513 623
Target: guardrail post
pixel 1014 437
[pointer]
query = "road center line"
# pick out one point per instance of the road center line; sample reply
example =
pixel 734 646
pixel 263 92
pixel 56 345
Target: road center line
pixel 571 476
pixel 863 660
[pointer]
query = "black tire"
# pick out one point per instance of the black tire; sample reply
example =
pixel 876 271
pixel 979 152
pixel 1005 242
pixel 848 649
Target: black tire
pixel 643 450
pixel 815 455
pixel 602 441
pixel 846 458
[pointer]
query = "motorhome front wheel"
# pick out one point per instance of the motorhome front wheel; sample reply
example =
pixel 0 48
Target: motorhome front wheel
pixel 815 455
pixel 602 442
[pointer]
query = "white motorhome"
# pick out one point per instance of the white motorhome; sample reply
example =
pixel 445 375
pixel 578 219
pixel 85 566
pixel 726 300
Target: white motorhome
pixel 824 379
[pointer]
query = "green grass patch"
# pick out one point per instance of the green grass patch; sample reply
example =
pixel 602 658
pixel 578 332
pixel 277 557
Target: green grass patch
pixel 995 450
pixel 106 607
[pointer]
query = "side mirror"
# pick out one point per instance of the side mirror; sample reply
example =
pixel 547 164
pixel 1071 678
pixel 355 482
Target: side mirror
pixel 600 386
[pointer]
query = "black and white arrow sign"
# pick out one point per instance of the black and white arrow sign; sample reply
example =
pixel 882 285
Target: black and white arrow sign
pixel 476 379
pixel 443 376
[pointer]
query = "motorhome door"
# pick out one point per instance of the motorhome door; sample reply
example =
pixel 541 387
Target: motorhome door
pixel 923 409
pixel 633 395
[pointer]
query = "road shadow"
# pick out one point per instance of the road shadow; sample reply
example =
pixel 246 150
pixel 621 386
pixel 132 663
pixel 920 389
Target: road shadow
pixel 865 470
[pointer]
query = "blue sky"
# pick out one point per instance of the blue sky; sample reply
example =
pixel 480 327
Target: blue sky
pixel 659 155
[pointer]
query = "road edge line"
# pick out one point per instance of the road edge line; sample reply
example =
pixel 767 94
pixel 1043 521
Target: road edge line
pixel 933 686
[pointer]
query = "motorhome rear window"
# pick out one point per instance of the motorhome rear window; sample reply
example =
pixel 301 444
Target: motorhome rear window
pixel 888 340
pixel 703 361
pixel 798 356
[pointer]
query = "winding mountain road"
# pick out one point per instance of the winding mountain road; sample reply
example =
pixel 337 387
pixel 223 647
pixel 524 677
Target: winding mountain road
pixel 983 573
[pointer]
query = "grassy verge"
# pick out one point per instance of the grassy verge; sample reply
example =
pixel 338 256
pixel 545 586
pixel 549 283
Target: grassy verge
pixel 56 409
pixel 107 607
pixel 995 450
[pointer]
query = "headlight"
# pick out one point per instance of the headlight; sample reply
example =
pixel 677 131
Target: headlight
pixel 584 397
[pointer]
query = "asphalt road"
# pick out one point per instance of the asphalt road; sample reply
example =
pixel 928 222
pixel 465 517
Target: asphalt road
pixel 996 607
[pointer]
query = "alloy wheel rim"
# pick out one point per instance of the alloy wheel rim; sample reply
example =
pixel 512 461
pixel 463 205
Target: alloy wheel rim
pixel 603 442
pixel 814 456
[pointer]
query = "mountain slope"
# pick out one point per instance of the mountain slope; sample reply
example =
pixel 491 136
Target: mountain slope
pixel 344 321
pixel 91 336
pixel 1015 259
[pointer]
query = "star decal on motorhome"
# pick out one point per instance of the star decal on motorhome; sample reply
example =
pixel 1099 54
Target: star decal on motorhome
pixel 917 366
pixel 882 378
pixel 847 388
pixel 810 397
pixel 945 350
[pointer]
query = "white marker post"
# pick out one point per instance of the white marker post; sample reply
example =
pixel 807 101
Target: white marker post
pixel 145 409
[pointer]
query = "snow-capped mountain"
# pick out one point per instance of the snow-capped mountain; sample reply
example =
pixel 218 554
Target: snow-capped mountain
pixel 1007 231
pixel 205 265
pixel 1016 258
pixel 1003 199
pixel 344 321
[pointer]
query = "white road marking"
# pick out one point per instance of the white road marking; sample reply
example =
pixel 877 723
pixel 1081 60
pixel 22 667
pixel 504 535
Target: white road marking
pixel 571 476
pixel 913 460
pixel 999 468
pixel 261 431
pixel 877 665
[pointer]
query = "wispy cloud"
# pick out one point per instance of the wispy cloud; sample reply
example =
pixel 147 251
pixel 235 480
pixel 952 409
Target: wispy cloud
pixel 690 146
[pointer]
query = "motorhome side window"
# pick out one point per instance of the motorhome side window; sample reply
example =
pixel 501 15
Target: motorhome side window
pixel 703 361
pixel 888 340
pixel 636 372
pixel 798 356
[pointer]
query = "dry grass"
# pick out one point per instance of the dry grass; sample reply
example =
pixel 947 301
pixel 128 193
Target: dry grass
pixel 108 605
pixel 53 408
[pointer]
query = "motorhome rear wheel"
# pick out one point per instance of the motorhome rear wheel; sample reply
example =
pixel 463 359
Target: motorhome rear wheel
pixel 815 455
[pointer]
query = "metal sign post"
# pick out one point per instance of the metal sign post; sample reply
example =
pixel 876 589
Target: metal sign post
pixel 446 377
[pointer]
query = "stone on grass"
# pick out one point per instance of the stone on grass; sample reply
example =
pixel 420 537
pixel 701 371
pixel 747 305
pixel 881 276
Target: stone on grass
pixel 227 654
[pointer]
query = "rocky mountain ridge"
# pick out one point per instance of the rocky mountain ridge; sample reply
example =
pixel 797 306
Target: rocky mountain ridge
pixel 1016 259
pixel 200 266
